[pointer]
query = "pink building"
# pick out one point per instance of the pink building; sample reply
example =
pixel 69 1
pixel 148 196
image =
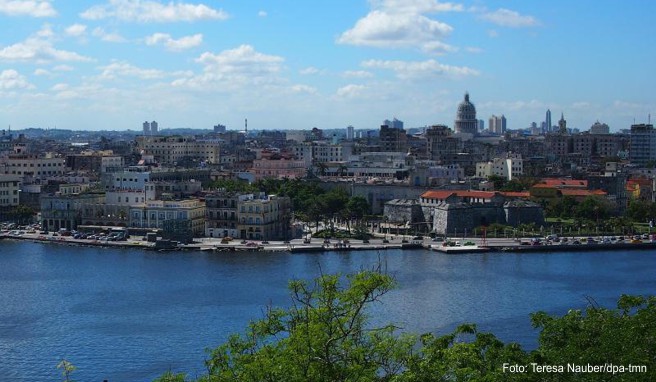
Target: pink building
pixel 278 168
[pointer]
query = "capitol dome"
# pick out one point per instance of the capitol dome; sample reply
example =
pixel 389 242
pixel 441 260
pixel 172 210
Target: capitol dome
pixel 466 109
pixel 466 121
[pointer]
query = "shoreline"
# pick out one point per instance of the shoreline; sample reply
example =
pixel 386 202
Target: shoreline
pixel 299 246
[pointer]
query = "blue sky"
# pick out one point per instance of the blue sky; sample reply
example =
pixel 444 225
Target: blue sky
pixel 111 64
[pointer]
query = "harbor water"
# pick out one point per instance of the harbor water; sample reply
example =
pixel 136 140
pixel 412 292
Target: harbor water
pixel 131 315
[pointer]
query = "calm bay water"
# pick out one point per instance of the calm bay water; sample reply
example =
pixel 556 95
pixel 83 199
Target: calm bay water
pixel 128 315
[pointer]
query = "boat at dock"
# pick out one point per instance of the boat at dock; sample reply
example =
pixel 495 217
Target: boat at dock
pixel 453 248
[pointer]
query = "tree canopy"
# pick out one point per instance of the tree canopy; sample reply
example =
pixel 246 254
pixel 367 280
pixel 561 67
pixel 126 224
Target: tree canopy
pixel 325 335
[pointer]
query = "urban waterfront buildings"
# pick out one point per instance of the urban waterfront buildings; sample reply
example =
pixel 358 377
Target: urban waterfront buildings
pixel 163 181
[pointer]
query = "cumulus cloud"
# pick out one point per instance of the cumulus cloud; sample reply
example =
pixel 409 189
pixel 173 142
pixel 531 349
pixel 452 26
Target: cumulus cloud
pixel 507 18
pixel 350 91
pixel 416 6
pixel 106 36
pixel 76 30
pixel 304 89
pixel 38 50
pixel 420 69
pixel 170 43
pixel 12 80
pixel 32 8
pixel 381 29
pixel 401 23
pixel 233 68
pixel 41 72
pixel 310 70
pixel 146 11
pixel 63 68
pixel 357 74
pixel 124 69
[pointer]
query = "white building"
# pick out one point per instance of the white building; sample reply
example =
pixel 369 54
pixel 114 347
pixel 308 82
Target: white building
pixel 508 168
pixel 129 188
pixel 328 152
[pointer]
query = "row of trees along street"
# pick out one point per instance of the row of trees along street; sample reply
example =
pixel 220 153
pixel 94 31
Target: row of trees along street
pixel 311 204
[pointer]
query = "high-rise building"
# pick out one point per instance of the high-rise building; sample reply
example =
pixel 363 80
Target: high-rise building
pixel 466 121
pixel 350 130
pixel 393 139
pixel 146 128
pixel 547 122
pixel 599 128
pixel 562 124
pixel 394 123
pixel 481 125
pixel 497 124
pixel 642 146
pixel 153 127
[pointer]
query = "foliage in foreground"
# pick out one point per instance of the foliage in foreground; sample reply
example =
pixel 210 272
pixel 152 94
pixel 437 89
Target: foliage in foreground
pixel 325 336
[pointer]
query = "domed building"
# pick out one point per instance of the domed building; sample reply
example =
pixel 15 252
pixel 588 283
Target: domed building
pixel 466 121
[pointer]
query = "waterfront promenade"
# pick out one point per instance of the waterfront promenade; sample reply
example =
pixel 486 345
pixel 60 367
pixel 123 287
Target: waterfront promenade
pixel 335 245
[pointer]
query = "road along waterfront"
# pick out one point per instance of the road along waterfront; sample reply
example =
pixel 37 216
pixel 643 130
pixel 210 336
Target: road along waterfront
pixel 125 314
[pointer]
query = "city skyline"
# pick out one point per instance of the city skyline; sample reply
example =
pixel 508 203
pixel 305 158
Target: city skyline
pixel 110 65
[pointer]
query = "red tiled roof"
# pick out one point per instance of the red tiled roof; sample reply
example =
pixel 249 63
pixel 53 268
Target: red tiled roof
pixel 640 181
pixel 570 192
pixel 475 194
pixel 437 194
pixel 512 194
pixel 561 183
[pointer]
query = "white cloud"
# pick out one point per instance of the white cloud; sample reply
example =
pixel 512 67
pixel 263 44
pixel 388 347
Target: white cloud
pixel 382 29
pixel 402 24
pixel 310 70
pixel 76 30
pixel 182 43
pixel 416 6
pixel 146 11
pixel 420 69
pixel 41 72
pixel 60 87
pixel 11 80
pixel 107 37
pixel 507 18
pixel 357 74
pixel 33 8
pixel 350 91
pixel 304 89
pixel 38 50
pixel 63 68
pixel 124 69
pixel 262 14
pixel 233 69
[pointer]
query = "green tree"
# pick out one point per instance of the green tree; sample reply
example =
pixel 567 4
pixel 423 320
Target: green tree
pixel 622 336
pixel 323 336
pixel 593 208
pixel 67 369
pixel 639 210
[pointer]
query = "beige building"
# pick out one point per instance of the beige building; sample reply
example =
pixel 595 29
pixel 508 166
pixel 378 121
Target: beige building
pixel 9 191
pixel 264 217
pixel 171 150
pixel 33 165
pixel 154 214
